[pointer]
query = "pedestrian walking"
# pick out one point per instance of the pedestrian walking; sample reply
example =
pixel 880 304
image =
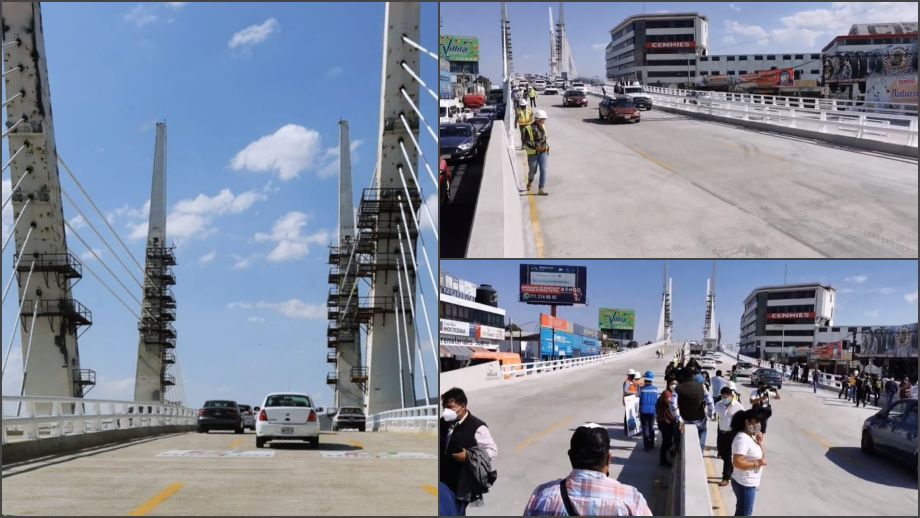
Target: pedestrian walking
pixel 725 409
pixel 532 94
pixel 588 489
pixel 851 395
pixel 717 383
pixel 844 387
pixel 734 374
pixel 707 382
pixel 537 150
pixel 748 459
pixel 815 376
pixel 876 387
pixel 795 372
pixel 904 388
pixel 891 389
pixel 761 399
pixel 467 451
pixel 805 374
pixel 648 395
pixel 667 423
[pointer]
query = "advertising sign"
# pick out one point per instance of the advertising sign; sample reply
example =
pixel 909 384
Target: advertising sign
pixel 453 327
pixel 546 284
pixel 492 333
pixel 883 60
pixel 555 323
pixel 831 351
pixel 890 341
pixel 892 89
pixel 563 343
pixel 769 78
pixel 613 318
pixel 633 426
pixel 791 316
pixel 458 287
pixel 459 48
pixel 586 332
pixel 670 45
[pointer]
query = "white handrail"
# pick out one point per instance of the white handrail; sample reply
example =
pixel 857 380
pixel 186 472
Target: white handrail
pixel 543 366
pixel 419 418
pixel 40 417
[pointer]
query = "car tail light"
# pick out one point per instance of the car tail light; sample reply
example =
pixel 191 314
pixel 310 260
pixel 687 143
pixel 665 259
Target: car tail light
pixel 200 411
pixel 312 418
pixel 262 416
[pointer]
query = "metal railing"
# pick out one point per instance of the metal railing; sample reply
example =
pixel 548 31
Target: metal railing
pixel 38 417
pixel 543 366
pixel 417 419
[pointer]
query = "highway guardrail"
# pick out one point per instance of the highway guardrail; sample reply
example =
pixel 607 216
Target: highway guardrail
pixel 414 419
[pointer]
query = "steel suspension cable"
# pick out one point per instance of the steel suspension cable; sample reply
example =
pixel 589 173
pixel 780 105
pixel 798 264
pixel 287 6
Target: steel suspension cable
pixel 414 262
pixel 415 179
pixel 419 113
pixel 418 346
pixel 10 161
pixel 18 319
pixel 402 395
pixel 15 224
pixel 418 148
pixel 419 79
pixel 16 267
pixel 106 286
pixel 412 304
pixel 25 364
pixel 93 252
pixel 419 47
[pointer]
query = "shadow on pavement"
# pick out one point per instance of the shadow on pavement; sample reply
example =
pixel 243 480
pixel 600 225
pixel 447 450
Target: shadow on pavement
pixel 324 446
pixel 874 468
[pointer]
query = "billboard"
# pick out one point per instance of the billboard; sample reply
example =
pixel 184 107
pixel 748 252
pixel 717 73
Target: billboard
pixel 831 351
pixel 457 287
pixel 567 344
pixel 459 48
pixel 892 89
pixel 546 284
pixel 613 318
pixel 883 60
pixel 890 341
pixel 768 78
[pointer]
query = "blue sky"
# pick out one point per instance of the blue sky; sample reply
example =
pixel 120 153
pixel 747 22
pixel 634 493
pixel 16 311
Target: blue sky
pixel 735 28
pixel 869 292
pixel 252 94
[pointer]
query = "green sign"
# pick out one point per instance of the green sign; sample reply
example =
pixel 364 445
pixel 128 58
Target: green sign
pixel 459 48
pixel 612 318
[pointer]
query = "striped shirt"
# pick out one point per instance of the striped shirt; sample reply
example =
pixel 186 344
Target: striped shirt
pixel 592 493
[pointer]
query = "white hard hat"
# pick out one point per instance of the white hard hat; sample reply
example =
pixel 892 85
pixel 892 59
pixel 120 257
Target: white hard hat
pixel 539 114
pixel 632 372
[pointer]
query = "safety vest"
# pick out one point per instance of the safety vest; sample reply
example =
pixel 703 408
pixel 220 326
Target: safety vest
pixel 525 116
pixel 532 93
pixel 539 139
pixel 630 388
pixel 648 395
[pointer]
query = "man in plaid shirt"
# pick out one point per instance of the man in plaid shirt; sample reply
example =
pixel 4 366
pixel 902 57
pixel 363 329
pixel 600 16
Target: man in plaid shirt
pixel 587 490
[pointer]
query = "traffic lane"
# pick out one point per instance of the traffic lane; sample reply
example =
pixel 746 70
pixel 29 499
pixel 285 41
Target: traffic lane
pixel 634 205
pixel 296 481
pixel 807 193
pixel 532 423
pixel 456 216
pixel 812 445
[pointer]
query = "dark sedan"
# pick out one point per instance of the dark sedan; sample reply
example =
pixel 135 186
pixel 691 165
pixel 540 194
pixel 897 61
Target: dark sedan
pixel 773 378
pixel 488 111
pixel 893 432
pixel 458 142
pixel 620 109
pixel 574 98
pixel 220 415
pixel 483 125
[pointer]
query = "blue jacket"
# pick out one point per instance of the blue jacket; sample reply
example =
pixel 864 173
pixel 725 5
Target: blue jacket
pixel 648 396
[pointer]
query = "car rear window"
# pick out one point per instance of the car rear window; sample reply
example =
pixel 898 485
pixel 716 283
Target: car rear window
pixel 219 404
pixel 623 103
pixel 245 408
pixel 455 131
pixel 288 400
pixel 350 411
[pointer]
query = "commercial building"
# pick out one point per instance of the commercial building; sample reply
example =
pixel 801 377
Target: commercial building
pixel 470 321
pixel 884 350
pixel 657 49
pixel 752 72
pixel 781 321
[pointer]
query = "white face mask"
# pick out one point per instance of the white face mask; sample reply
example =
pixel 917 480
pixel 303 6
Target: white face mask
pixel 449 415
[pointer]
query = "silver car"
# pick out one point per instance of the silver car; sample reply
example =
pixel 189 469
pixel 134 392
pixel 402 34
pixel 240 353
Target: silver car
pixel 893 431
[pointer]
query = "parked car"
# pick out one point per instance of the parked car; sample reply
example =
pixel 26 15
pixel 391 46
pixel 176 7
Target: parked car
pixel 772 377
pixel 220 415
pixel 349 417
pixel 288 416
pixel 482 125
pixel 745 368
pixel 249 418
pixel 893 432
pixel 458 142
pixel 574 98
pixel 618 109
pixel 444 177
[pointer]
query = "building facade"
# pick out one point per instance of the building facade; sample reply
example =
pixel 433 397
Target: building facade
pixel 470 320
pixel 806 66
pixel 657 49
pixel 781 321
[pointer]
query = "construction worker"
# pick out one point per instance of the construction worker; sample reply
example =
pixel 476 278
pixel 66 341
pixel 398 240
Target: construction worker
pixel 524 117
pixel 648 396
pixel 532 93
pixel 631 385
pixel 537 150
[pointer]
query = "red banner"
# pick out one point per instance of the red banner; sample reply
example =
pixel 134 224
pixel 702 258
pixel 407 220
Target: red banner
pixel 790 316
pixel 770 78
pixel 670 45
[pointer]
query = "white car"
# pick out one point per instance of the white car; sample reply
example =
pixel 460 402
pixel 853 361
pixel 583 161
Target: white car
pixel 550 90
pixel 288 416
pixel 580 87
pixel 707 363
pixel 249 417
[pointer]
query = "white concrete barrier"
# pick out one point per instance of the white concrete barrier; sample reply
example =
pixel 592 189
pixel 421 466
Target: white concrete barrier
pixel 692 478
pixel 497 229
pixel 472 378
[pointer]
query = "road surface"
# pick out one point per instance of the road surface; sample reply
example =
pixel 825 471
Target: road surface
pixel 168 475
pixel 673 186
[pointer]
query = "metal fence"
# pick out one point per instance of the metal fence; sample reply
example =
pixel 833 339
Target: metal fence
pixel 37 417
pixel 415 419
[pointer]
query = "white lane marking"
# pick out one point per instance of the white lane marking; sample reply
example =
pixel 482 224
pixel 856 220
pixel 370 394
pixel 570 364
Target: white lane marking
pixel 376 455
pixel 213 453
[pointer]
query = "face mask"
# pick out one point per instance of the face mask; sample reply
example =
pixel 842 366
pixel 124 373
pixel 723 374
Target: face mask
pixel 753 429
pixel 449 415
pixel 726 399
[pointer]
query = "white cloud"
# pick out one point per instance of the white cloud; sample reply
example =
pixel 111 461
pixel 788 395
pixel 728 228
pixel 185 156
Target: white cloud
pixel 293 308
pixel 141 15
pixel 884 291
pixel 750 32
pixel 176 5
pixel 846 290
pixel 288 151
pixel 88 256
pixel 734 7
pixel 728 39
pixel 256 320
pixel 872 313
pixel 334 72
pixel 857 279
pixel 291 243
pixel 432 203
pixel 332 154
pixel 7 216
pixel 77 222
pixel 208 257
pixel 911 298
pixel 254 34
pixel 241 263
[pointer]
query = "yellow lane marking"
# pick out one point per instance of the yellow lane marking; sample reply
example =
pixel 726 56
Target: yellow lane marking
pixel 534 218
pixel 820 440
pixel 152 504
pixel 545 433
pixel 431 490
pixel 235 444
pixel 356 444
pixel 718 504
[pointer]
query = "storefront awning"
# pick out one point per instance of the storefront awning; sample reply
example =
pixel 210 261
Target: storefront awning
pixel 459 352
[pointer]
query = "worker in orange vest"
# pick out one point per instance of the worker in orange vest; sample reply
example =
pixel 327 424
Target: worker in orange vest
pixel 631 385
